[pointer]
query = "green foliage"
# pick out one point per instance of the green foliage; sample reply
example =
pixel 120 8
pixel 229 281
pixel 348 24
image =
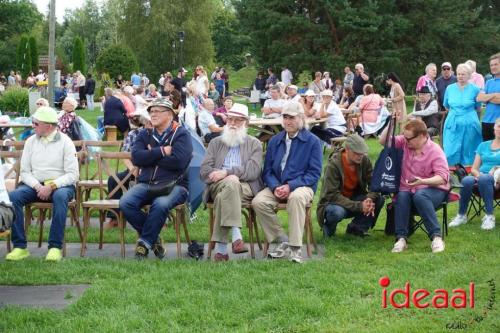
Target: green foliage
pixel 78 55
pixel 23 58
pixel 15 99
pixel 17 18
pixel 117 59
pixel 33 53
pixel 304 77
pixel 230 42
pixel 384 35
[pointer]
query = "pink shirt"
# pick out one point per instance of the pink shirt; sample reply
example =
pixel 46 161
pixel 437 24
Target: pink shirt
pixel 128 104
pixel 370 106
pixel 429 163
pixel 477 79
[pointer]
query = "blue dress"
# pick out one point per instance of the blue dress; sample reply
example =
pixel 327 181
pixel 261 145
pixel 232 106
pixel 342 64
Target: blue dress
pixel 462 130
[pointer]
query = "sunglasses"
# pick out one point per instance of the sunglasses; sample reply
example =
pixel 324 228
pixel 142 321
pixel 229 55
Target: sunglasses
pixel 446 68
pixel 36 123
pixel 409 139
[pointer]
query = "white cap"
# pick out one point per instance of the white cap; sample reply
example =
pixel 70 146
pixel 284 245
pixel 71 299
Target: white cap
pixel 309 92
pixel 292 109
pixel 327 92
pixel 238 110
pixel 447 64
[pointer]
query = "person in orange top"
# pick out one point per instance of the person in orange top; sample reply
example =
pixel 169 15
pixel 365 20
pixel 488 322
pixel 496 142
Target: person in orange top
pixel 345 193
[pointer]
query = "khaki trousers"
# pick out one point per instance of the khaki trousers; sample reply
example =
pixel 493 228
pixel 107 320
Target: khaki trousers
pixel 264 204
pixel 229 193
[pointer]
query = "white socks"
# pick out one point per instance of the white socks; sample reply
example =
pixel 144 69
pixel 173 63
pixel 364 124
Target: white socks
pixel 236 233
pixel 221 248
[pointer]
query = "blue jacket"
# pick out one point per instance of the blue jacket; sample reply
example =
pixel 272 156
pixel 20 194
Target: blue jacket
pixel 303 167
pixel 170 166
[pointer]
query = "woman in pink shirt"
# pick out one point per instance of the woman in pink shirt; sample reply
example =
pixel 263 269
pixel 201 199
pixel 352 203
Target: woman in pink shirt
pixel 423 183
pixel 370 105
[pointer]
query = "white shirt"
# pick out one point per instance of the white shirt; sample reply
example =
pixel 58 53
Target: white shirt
pixel 295 98
pixel 201 85
pixel 288 143
pixel 274 103
pixel 335 119
pixel 286 76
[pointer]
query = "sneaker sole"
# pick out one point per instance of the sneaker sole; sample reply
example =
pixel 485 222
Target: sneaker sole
pixel 17 259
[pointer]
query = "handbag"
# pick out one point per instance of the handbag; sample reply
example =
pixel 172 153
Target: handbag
pixel 387 171
pixel 75 132
pixel 6 218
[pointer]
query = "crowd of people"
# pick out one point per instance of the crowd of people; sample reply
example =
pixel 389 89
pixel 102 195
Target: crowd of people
pixel 158 126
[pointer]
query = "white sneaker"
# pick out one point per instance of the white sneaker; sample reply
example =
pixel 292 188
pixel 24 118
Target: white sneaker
pixel 296 256
pixel 400 246
pixel 437 245
pixel 488 222
pixel 281 251
pixel 458 220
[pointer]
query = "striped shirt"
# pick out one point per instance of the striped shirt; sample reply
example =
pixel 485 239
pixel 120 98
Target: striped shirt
pixel 232 159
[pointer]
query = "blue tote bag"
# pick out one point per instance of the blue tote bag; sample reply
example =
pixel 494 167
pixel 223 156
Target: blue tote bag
pixel 387 170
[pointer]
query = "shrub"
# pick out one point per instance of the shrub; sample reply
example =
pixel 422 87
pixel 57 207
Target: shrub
pixel 15 99
pixel 117 59
pixel 78 55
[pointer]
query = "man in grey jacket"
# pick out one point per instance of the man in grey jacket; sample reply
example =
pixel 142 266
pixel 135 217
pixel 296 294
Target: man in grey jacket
pixel 232 169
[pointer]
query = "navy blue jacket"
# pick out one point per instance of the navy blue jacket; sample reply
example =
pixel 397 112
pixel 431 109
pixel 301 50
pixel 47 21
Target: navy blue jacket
pixel 303 167
pixel 171 166
pixel 115 114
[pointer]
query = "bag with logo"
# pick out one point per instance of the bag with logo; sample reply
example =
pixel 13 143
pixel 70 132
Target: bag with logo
pixel 387 170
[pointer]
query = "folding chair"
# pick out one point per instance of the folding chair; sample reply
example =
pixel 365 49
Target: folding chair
pixel 476 205
pixel 249 214
pixel 13 170
pixel 105 203
pixel 307 228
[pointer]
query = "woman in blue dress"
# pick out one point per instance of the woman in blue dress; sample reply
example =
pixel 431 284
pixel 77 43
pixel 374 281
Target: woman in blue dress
pixel 462 130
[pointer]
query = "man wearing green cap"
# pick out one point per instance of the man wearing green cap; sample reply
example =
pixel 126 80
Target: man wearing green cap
pixel 345 193
pixel 49 172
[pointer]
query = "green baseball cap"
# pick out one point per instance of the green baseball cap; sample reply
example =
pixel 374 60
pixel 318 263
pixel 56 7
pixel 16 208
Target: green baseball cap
pixel 356 144
pixel 46 114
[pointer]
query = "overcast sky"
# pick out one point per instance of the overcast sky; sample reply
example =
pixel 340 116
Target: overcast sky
pixel 61 6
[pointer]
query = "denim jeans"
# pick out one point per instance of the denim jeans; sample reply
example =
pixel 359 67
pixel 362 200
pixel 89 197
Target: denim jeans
pixel 90 102
pixel 326 134
pixel 425 201
pixel 335 213
pixel 60 198
pixel 100 125
pixel 149 225
pixel 486 185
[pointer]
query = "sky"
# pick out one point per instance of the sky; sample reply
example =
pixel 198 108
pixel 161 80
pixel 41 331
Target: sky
pixel 61 6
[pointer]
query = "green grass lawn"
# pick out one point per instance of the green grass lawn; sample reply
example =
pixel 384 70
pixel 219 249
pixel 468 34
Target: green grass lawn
pixel 337 293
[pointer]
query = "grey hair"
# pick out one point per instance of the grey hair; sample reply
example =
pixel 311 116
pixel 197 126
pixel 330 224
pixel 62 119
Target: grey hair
pixel 72 101
pixel 471 64
pixel 43 101
pixel 429 66
pixel 359 66
pixel 466 67
pixel 108 91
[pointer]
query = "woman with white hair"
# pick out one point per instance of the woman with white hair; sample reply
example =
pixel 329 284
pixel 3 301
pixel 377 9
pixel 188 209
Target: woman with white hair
pixel 475 77
pixel 66 121
pixel 429 79
pixel 462 130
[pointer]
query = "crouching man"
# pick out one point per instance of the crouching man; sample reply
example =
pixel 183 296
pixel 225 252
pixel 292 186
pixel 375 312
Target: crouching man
pixel 344 192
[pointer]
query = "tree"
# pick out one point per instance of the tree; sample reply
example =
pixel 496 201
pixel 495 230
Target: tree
pixel 117 60
pixel 78 55
pixel 34 53
pixel 230 42
pixel 23 58
pixel 384 35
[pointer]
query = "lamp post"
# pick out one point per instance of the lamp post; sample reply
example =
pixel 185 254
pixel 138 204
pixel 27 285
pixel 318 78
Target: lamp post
pixel 181 40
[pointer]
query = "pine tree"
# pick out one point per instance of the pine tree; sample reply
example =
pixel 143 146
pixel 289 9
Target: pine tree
pixel 34 53
pixel 78 55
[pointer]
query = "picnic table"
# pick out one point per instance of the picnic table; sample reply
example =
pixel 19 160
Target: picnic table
pixel 15 125
pixel 273 126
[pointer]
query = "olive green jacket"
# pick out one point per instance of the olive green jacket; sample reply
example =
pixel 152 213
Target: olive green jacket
pixel 333 183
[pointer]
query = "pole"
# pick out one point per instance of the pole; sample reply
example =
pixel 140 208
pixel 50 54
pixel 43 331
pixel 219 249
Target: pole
pixel 52 46
pixel 181 40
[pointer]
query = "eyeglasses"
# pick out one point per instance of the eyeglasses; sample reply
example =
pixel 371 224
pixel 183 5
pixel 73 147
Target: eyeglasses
pixel 156 111
pixel 446 68
pixel 39 104
pixel 409 139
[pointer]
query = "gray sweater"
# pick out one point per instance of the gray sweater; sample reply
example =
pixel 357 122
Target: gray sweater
pixel 251 163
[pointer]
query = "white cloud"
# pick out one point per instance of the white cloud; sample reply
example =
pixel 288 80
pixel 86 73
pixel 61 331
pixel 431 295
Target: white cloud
pixel 61 6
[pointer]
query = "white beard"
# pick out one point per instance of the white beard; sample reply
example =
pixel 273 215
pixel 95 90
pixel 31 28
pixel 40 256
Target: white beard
pixel 233 137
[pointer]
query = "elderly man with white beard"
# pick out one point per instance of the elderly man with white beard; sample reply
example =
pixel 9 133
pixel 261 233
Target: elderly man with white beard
pixel 232 170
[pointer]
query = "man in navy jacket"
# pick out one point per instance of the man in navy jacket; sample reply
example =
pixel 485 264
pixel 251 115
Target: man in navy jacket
pixel 163 155
pixel 291 172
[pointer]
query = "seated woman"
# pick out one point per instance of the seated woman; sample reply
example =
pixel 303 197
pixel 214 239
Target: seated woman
pixel 486 162
pixel 335 124
pixel 188 114
pixel 213 94
pixel 152 92
pixel 426 108
pixel 347 98
pixel 220 114
pixel 373 112
pixel 138 121
pixel 65 122
pixel 115 112
pixel 309 104
pixel 423 184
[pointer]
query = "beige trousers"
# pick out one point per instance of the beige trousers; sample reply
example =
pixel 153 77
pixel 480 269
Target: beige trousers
pixel 264 204
pixel 228 195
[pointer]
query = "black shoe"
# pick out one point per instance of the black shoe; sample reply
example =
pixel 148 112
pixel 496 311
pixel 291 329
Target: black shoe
pixel 329 230
pixel 159 250
pixel 141 251
pixel 356 231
